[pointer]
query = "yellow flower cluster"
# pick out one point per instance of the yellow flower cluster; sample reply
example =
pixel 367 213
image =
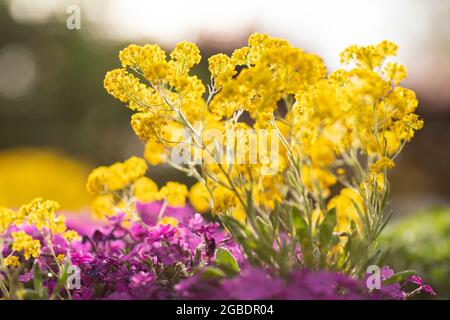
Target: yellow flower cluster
pixel 171 89
pixel 40 214
pixel 23 241
pixel 116 177
pixel 343 129
pixel 118 186
pixel 174 193
pixel 12 261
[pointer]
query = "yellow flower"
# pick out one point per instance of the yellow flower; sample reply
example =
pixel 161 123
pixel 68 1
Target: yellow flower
pixel 71 235
pixel 122 85
pixel 42 214
pixel 240 56
pixel 154 153
pixel 142 58
pixel 102 206
pixel 185 55
pixel 382 164
pixel 318 179
pixel 12 261
pixel 408 125
pixel 224 200
pixel 222 68
pixel 168 220
pixel 370 56
pixel 323 122
pixel 239 214
pixel 345 209
pixel 321 152
pixel 146 190
pixel 258 43
pixel 267 191
pixel 115 177
pixel 148 126
pixel 23 241
pixel 130 56
pixel 199 197
pixel 394 72
pixel 174 193
pixel 60 257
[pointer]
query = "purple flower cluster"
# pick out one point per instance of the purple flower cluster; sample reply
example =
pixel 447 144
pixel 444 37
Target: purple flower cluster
pixel 254 284
pixel 144 260
pixel 259 284
pixel 147 260
pixel 170 253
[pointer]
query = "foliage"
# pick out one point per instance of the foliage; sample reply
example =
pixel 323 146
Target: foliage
pixel 421 242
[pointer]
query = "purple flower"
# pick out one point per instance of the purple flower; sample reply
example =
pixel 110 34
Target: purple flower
pixel 162 232
pixel 141 279
pixel 386 272
pixel 253 284
pixel 138 231
pixel 256 283
pixel 26 276
pixel 119 296
pixel 83 223
pixel 79 258
pixel 428 289
pixel 422 287
pixel 416 280
pixel 149 212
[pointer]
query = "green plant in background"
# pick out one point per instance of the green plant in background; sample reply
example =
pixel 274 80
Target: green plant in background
pixel 421 242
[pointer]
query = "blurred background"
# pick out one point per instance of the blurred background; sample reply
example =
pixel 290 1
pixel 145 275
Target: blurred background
pixel 57 122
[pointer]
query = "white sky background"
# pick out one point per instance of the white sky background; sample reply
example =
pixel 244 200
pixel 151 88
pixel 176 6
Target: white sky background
pixel 326 26
pixel 321 26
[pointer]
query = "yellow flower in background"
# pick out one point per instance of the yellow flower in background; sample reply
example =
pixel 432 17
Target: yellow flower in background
pixel 168 220
pixel 71 235
pixel 6 219
pixel 174 193
pixel 115 177
pixel 317 179
pixel 199 197
pixel 224 200
pixel 346 212
pixel 239 214
pixel 146 190
pixel 154 153
pixel 27 173
pixel 102 206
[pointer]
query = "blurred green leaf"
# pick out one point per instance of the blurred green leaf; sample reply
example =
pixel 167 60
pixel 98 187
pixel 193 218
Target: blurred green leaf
pixel 226 261
pixel 399 277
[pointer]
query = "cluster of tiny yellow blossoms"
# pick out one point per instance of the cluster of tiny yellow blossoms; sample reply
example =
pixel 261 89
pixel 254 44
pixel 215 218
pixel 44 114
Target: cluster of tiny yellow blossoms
pixel 338 131
pixel 39 214
pixel 118 186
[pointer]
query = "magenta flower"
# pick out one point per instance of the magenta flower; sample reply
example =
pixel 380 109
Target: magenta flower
pixel 141 279
pixel 422 287
pixel 81 258
pixel 416 280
